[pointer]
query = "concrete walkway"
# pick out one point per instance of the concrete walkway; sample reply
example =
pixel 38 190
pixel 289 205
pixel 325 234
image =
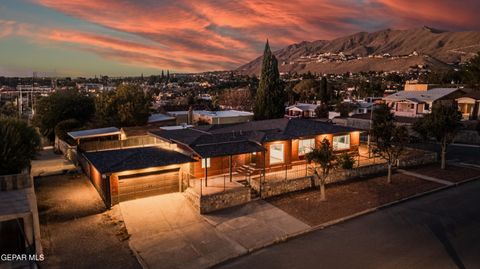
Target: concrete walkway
pixel 167 232
pixel 49 163
pixel 433 179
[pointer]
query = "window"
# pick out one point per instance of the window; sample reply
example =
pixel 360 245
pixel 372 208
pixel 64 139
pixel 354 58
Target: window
pixel 305 146
pixel 276 153
pixel 341 142
pixel 208 162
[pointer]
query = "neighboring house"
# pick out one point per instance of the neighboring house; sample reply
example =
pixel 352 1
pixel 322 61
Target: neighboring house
pixel 417 103
pixel 301 110
pixel 469 105
pixel 206 151
pixel 365 106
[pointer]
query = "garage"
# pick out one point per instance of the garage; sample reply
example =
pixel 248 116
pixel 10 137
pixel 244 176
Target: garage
pixel 132 173
pixel 144 185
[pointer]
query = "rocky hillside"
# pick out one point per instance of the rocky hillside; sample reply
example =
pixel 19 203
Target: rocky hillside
pixel 386 50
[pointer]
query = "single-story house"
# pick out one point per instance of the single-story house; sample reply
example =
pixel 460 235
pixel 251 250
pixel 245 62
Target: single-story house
pixel 469 105
pixel 417 103
pixel 266 144
pixel 207 151
pixel 301 110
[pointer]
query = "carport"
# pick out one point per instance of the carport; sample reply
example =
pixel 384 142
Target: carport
pixel 126 174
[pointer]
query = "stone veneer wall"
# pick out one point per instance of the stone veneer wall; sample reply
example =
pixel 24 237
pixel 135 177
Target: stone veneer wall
pixel 273 188
pixel 15 182
pixel 213 202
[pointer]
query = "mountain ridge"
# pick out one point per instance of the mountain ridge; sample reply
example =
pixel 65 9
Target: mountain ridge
pixel 384 50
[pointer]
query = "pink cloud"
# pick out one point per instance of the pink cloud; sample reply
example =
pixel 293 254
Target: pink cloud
pixel 224 34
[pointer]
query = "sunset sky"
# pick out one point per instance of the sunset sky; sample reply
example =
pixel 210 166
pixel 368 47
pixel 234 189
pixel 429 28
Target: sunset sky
pixel 130 37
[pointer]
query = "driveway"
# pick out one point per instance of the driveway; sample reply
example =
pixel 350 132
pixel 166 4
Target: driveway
pixel 167 232
pixel 76 230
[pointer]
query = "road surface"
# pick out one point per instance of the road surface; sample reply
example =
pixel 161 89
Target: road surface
pixel 441 230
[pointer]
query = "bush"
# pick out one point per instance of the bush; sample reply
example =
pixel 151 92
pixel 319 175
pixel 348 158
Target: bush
pixel 346 161
pixel 18 144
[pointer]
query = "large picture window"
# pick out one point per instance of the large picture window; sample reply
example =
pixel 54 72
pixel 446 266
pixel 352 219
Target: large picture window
pixel 276 153
pixel 305 146
pixel 341 142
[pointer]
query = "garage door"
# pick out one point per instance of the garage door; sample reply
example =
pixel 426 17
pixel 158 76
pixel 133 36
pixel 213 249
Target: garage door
pixel 144 185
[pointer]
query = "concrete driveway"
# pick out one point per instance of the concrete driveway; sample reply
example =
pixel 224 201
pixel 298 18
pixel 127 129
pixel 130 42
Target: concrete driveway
pixel 167 232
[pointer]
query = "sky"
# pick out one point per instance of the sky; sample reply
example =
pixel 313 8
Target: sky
pixel 131 37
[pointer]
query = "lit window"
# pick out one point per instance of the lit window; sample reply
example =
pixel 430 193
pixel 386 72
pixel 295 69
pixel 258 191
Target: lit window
pixel 305 146
pixel 276 153
pixel 341 142
pixel 207 160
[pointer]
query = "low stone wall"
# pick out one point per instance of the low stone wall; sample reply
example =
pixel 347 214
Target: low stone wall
pixel 213 202
pixel 467 137
pixel 273 188
pixel 15 181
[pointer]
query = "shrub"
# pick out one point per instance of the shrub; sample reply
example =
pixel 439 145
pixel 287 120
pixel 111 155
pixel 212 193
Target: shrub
pixel 346 161
pixel 18 144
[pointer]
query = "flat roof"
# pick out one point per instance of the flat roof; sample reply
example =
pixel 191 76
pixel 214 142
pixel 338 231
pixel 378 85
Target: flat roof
pixel 159 117
pixel 94 132
pixel 118 160
pixel 219 113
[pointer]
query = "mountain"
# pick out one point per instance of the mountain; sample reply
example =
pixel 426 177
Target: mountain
pixel 386 50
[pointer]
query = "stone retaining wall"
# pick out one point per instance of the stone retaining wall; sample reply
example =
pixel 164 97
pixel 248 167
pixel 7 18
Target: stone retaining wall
pixel 213 202
pixel 273 188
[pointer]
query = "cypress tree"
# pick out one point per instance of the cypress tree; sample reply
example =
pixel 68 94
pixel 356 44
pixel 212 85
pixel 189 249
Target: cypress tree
pixel 270 97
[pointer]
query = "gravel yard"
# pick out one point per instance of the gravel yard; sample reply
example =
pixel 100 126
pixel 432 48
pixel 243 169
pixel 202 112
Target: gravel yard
pixel 76 229
pixel 350 197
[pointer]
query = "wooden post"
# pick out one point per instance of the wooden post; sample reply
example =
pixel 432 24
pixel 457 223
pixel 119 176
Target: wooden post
pixel 206 173
pixel 230 166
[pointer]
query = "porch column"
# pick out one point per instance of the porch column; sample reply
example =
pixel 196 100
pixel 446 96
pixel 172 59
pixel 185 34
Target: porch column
pixel 206 172
pixel 230 166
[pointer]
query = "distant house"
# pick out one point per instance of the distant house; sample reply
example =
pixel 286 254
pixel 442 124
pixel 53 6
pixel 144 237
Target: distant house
pixel 301 110
pixel 416 103
pixel 469 106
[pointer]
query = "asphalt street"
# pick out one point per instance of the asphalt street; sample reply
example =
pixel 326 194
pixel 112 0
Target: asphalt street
pixel 440 230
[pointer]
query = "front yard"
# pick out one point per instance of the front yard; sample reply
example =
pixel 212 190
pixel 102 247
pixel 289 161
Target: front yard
pixel 350 197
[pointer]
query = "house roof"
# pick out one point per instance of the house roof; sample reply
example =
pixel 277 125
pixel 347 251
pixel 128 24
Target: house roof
pixel 213 140
pixel 303 107
pixel 159 117
pixel 111 161
pixel 94 133
pixel 421 96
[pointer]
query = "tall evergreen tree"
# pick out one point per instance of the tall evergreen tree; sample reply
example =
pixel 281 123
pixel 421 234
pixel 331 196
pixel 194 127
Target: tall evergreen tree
pixel 270 97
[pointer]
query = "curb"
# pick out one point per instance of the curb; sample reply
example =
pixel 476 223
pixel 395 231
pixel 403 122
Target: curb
pixel 347 218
